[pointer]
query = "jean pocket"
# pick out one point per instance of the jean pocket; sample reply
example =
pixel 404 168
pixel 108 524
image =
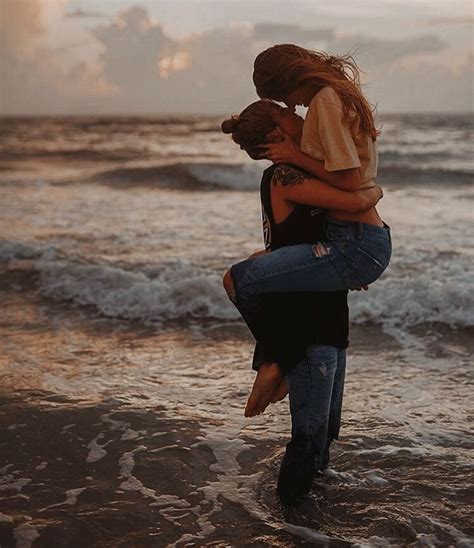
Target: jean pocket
pixel 365 269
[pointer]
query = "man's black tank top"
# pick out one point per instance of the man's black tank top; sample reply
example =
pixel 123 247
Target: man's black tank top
pixel 304 225
pixel 318 317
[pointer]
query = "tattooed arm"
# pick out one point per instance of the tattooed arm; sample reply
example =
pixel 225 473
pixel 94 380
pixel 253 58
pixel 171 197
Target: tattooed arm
pixel 289 153
pixel 295 186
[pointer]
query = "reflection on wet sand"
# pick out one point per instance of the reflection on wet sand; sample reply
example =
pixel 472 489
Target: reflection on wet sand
pixel 119 433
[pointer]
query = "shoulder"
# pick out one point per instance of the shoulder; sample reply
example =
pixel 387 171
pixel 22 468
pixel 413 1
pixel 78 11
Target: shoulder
pixel 326 95
pixel 288 175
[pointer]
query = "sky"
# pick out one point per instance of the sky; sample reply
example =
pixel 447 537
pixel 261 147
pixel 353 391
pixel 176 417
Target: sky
pixel 195 56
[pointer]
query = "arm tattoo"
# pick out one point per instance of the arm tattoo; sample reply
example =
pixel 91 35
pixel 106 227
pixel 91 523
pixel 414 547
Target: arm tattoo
pixel 287 176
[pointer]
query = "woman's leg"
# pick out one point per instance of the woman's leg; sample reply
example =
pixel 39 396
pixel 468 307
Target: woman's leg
pixel 281 327
pixel 311 385
pixel 301 267
pixel 353 255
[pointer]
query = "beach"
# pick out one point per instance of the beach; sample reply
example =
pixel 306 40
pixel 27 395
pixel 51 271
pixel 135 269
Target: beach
pixel 125 369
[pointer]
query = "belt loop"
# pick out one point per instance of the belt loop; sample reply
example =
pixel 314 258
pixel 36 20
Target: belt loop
pixel 360 231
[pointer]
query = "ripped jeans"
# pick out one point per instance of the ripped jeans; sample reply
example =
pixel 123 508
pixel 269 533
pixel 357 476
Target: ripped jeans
pixel 316 386
pixel 353 255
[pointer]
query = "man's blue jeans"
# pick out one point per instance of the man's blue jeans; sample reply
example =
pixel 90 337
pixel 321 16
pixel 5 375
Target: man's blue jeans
pixel 316 387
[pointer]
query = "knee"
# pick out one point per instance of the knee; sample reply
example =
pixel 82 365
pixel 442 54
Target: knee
pixel 228 283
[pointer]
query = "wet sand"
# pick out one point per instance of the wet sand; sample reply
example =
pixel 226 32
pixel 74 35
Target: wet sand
pixel 110 475
pixel 119 435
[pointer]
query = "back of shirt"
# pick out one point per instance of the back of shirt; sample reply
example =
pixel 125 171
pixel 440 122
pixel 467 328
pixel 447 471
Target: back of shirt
pixel 339 143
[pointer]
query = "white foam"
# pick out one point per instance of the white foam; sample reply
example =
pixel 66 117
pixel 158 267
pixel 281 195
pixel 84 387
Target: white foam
pixel 242 176
pixel 307 534
pixel 392 450
pixel 10 250
pixel 407 295
pixel 5 519
pixel 7 483
pixel 71 498
pixel 373 476
pixel 177 291
pixel 132 483
pixel 444 293
pixel 96 451
pixel 3 469
pixel 25 534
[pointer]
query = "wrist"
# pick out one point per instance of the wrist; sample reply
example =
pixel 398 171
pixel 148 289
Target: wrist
pixel 299 156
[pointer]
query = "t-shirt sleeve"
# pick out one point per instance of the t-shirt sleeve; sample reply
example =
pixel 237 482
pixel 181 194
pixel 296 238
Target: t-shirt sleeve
pixel 339 146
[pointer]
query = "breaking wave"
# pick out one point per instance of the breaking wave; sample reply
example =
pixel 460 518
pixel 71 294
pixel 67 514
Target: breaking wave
pixel 210 176
pixel 153 294
pixel 186 176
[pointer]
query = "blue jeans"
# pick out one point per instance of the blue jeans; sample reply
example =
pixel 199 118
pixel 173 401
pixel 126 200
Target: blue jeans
pixel 353 255
pixel 316 387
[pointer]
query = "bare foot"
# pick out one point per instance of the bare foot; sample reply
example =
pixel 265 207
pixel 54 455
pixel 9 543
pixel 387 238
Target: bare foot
pixel 268 379
pixel 280 392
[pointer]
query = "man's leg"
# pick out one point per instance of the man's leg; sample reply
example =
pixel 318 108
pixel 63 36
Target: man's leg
pixel 335 411
pixel 310 385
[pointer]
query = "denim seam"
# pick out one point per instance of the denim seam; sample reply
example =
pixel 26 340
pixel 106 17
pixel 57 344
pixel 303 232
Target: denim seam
pixel 306 267
pixel 309 407
pixel 243 286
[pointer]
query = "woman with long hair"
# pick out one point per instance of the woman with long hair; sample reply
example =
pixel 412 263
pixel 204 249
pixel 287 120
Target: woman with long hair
pixel 338 147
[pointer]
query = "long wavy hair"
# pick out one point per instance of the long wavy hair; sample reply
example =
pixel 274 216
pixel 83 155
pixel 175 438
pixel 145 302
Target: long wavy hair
pixel 281 69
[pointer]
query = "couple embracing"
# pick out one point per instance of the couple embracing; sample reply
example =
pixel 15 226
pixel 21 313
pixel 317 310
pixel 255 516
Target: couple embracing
pixel 323 236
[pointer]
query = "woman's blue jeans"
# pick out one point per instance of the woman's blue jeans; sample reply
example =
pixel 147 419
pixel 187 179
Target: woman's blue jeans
pixel 353 255
pixel 316 387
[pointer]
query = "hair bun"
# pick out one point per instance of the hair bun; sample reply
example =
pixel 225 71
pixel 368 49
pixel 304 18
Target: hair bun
pixel 230 124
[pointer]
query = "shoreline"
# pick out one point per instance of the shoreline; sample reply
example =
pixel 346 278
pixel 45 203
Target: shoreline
pixel 154 446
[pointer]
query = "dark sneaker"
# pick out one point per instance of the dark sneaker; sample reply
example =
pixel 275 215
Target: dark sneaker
pixel 297 471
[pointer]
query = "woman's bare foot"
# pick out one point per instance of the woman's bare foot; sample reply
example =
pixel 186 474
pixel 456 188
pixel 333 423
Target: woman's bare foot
pixel 280 392
pixel 268 380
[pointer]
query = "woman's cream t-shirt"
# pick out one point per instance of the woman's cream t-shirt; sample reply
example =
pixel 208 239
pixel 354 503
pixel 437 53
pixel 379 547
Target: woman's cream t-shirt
pixel 328 138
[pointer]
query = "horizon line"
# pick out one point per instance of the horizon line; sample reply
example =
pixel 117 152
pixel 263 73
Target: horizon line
pixel 194 114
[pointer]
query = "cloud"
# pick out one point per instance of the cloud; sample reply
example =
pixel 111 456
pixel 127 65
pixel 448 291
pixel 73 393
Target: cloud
pixel 427 85
pixel 80 13
pixel 372 51
pixel 35 77
pixel 132 47
pixel 132 65
pixel 452 21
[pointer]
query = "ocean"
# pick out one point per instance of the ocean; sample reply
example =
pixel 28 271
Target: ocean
pixel 125 368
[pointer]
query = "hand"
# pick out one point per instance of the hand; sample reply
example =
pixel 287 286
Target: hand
pixel 283 152
pixel 370 196
pixel 377 191
pixel 380 191
pixel 363 287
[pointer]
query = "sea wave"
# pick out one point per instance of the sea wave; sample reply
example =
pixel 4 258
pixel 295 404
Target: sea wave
pixel 153 294
pixel 186 176
pixel 403 298
pixel 247 176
